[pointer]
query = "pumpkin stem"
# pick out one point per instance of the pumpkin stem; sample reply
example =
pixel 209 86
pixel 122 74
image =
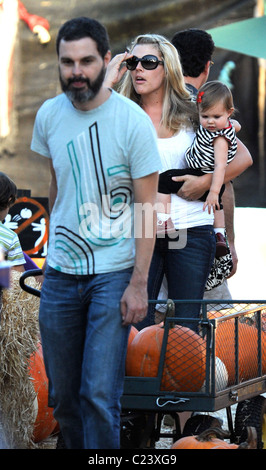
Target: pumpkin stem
pixel 212 433
pixel 170 312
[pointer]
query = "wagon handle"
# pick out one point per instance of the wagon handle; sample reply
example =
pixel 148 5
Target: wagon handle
pixel 25 287
pixel 172 402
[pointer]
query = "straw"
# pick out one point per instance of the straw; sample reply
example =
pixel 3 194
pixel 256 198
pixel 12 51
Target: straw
pixel 19 336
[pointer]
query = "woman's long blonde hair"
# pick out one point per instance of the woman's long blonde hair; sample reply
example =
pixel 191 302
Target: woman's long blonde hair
pixel 178 109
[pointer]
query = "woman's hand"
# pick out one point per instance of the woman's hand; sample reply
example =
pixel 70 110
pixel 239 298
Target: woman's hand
pixel 194 186
pixel 115 70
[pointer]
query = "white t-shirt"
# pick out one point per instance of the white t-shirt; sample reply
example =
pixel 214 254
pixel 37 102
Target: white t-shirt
pixel 96 155
pixel 184 214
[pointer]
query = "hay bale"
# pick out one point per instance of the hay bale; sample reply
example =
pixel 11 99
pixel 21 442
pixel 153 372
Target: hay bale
pixel 19 336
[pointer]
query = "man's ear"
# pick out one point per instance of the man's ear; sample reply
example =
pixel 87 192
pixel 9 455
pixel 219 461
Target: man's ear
pixel 207 66
pixel 107 58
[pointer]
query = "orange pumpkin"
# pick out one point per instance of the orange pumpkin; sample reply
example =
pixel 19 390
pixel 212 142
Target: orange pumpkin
pixel 247 351
pixel 185 357
pixel 132 334
pixel 45 422
pixel 209 439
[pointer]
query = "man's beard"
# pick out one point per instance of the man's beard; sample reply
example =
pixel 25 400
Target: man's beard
pixel 77 95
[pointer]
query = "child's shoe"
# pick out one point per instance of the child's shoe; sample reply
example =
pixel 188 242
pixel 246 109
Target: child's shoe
pixel 221 245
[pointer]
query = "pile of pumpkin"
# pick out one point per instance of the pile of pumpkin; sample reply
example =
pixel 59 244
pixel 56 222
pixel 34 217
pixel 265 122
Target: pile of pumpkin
pixel 248 347
pixel 45 423
pixel 185 357
pixel 184 362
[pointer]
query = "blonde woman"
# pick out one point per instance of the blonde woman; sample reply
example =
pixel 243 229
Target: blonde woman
pixel 184 252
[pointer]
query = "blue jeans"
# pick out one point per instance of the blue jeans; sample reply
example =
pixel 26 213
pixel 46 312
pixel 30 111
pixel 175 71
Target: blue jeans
pixel 186 270
pixel 84 345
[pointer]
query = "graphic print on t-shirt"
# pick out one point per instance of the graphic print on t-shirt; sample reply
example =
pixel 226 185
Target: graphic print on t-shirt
pixel 103 202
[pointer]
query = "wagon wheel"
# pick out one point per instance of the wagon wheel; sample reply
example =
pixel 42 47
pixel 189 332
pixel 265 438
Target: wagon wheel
pixel 136 430
pixel 199 423
pixel 132 429
pixel 251 412
pixel 60 441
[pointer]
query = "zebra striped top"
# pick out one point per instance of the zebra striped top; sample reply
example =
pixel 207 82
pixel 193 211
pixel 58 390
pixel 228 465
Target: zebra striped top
pixel 10 244
pixel 201 153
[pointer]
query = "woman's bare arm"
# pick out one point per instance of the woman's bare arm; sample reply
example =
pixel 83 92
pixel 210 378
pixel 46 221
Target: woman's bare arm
pixel 195 186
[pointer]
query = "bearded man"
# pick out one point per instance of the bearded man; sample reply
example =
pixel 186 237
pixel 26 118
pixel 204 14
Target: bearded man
pixel 103 157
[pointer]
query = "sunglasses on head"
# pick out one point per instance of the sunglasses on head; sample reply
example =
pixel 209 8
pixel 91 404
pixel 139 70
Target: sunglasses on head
pixel 148 62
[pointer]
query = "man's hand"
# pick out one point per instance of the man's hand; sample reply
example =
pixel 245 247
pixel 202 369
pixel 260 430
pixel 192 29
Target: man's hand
pixel 229 207
pixel 134 303
pixel 234 258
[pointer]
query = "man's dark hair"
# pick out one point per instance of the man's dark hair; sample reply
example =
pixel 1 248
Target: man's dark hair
pixel 195 48
pixel 83 27
pixel 8 192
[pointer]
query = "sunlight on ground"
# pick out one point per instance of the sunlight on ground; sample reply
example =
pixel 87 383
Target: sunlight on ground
pixel 250 230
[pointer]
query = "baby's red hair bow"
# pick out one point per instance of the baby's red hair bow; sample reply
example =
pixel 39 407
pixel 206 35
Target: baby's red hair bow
pixel 199 97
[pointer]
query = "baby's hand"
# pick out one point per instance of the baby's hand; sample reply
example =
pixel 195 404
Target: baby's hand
pixel 212 202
